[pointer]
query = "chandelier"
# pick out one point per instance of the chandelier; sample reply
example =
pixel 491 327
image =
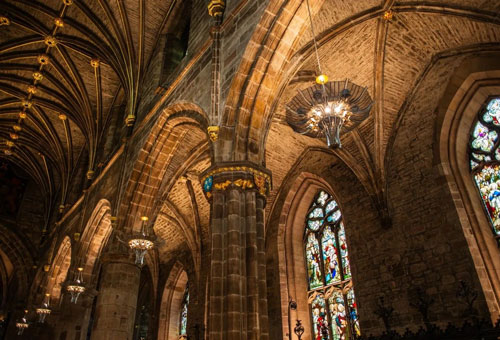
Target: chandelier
pixel 326 108
pixel 22 324
pixel 44 310
pixel 141 242
pixel 323 110
pixel 76 287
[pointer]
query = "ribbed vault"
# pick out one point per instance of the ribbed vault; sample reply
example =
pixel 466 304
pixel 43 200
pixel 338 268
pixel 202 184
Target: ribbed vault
pixel 390 58
pixel 68 70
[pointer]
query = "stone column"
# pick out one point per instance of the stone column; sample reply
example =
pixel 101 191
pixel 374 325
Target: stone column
pixel 74 318
pixel 117 299
pixel 238 298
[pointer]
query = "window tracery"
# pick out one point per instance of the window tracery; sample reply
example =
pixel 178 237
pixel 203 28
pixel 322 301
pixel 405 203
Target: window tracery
pixel 484 157
pixel 331 295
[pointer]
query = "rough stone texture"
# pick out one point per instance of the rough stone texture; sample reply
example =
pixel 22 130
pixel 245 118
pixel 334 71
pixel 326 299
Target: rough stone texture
pixel 238 301
pixel 116 302
pixel 233 251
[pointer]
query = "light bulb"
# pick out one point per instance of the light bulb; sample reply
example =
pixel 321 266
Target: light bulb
pixel 338 108
pixel 328 109
pixel 322 79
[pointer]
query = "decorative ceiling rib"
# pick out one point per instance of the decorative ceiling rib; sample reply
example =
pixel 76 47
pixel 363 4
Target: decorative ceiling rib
pixel 67 67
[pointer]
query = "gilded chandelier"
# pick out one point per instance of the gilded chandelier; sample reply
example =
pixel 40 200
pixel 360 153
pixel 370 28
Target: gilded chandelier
pixel 327 108
pixel 76 287
pixel 141 242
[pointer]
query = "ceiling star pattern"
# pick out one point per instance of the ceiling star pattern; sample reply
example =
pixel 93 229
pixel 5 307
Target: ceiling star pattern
pixel 69 68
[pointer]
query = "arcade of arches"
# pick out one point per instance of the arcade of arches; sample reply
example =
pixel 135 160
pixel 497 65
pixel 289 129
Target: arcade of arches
pixel 107 116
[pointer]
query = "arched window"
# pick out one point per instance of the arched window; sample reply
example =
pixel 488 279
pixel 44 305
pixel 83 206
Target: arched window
pixel 484 153
pixel 331 295
pixel 184 314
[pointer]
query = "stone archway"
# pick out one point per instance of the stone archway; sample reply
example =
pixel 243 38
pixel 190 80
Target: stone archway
pixel 156 167
pixel 171 301
pixel 19 256
pixel 475 81
pixel 58 271
pixel 94 239
pixel 291 248
pixel 6 275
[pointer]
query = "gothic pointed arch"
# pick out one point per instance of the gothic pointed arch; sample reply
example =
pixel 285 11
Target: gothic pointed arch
pixel 331 295
pixel 94 238
pixel 58 271
pixel 166 156
pixel 258 77
pixel 463 154
pixel 174 305
pixel 15 252
pixel 484 156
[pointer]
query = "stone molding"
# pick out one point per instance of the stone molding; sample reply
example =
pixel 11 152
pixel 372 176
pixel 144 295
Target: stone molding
pixel 245 175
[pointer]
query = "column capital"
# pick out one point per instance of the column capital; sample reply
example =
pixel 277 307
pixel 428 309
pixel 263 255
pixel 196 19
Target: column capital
pixel 244 174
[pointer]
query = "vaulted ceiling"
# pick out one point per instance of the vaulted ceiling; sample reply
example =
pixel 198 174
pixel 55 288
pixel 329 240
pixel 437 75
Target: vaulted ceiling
pixel 68 69
pixel 390 58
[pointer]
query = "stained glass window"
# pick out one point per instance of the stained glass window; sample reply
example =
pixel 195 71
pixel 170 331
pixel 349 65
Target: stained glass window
pixel 184 314
pixel 334 313
pixel 484 154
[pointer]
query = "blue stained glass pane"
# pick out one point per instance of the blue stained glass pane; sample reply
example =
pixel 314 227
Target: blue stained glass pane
pixel 488 182
pixel 353 311
pixel 330 257
pixel 344 254
pixel 330 206
pixel 334 217
pixel 319 316
pixel 473 164
pixel 313 262
pixel 338 314
pixel 484 139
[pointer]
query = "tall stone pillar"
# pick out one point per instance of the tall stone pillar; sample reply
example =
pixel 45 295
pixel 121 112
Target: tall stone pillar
pixel 117 299
pixel 74 318
pixel 238 298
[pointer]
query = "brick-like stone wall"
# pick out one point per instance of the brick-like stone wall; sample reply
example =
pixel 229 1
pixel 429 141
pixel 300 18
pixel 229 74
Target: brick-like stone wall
pixel 437 256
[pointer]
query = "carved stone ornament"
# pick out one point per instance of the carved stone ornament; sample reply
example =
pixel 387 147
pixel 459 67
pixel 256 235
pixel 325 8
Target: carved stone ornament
pixel 242 175
pixel 213 132
pixel 216 8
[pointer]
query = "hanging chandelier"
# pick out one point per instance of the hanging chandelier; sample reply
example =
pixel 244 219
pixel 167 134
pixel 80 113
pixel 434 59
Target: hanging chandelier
pixel 141 242
pixel 327 108
pixel 323 110
pixel 76 287
pixel 22 324
pixel 44 310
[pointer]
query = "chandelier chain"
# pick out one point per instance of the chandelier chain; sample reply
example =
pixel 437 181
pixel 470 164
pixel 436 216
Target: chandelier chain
pixel 314 37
